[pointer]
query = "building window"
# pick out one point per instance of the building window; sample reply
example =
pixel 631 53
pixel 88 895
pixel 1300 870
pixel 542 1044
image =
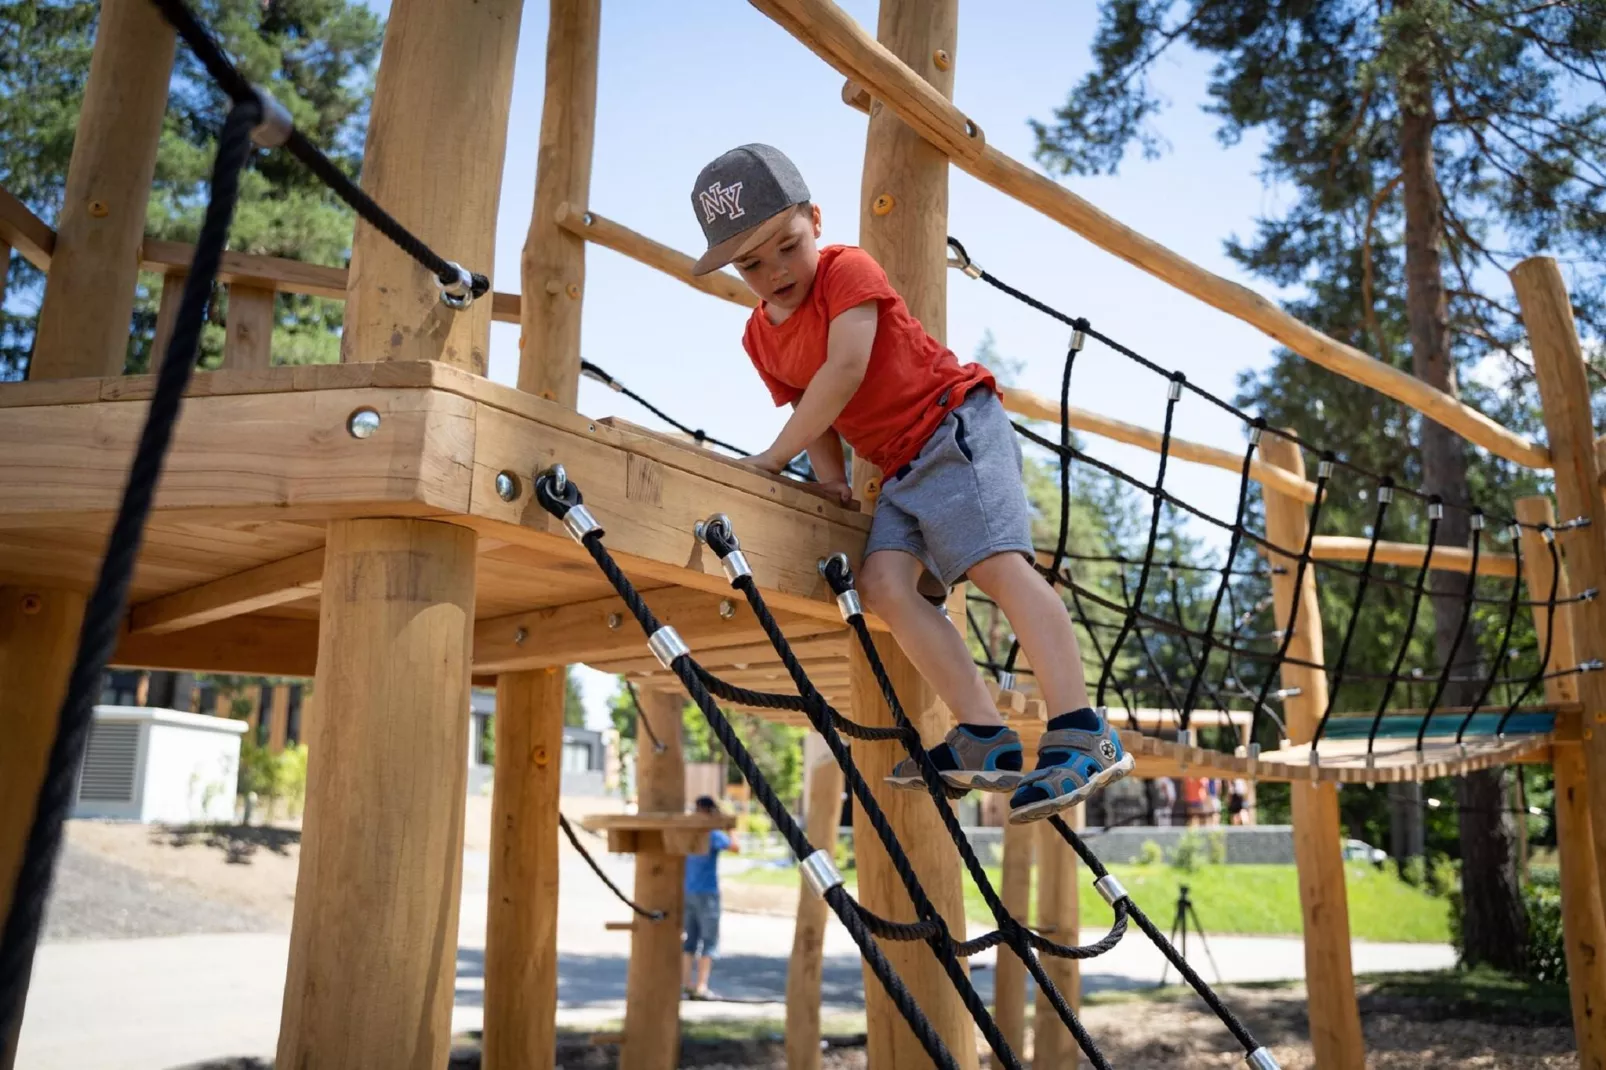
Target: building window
pixel 576 758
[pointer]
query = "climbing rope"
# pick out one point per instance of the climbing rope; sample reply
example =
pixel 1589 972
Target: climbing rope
pixel 568 830
pixel 563 499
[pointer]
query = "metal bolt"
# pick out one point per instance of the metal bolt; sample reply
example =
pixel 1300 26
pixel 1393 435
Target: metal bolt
pixel 727 609
pixel 573 291
pixel 614 620
pixel 883 204
pixel 942 60
pixel 520 635
pixel 363 423
pixel 31 604
pixel 587 218
pixel 507 486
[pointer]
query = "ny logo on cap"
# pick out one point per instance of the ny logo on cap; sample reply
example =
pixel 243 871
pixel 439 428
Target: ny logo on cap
pixel 722 200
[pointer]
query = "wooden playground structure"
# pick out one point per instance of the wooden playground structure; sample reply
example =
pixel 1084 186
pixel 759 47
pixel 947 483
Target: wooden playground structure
pixel 372 524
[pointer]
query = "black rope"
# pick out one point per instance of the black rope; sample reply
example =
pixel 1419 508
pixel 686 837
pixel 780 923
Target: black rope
pixel 1337 683
pixel 240 90
pixel 642 719
pixel 1434 520
pixel 650 915
pixel 1505 642
pixel 1550 638
pixel 700 436
pixel 104 611
pixel 1460 629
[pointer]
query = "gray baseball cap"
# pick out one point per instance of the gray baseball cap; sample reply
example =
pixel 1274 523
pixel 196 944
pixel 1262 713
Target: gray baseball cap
pixel 739 192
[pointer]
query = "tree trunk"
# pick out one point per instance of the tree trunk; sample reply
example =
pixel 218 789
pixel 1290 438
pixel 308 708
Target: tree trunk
pixel 1494 925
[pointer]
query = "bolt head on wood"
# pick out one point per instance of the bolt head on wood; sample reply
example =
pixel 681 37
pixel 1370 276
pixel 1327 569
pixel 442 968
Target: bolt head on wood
pixel 520 635
pixel 942 59
pixel 99 209
pixel 363 423
pixel 573 291
pixel 32 604
pixel 507 486
pixel 614 620
pixel 883 204
pixel 727 609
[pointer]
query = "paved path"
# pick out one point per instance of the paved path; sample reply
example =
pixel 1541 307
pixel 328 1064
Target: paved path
pixel 162 1002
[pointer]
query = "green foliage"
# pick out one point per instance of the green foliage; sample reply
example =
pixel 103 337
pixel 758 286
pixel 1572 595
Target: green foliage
pixel 574 710
pixel 317 57
pixel 1547 954
pixel 1189 853
pixel 755 823
pixel 274 778
pixel 488 740
pixel 1150 854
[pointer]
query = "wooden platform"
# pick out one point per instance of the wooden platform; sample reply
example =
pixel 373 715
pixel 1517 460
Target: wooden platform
pixel 230 572
pixel 669 833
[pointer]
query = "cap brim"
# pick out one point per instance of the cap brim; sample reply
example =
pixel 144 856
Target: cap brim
pixel 726 251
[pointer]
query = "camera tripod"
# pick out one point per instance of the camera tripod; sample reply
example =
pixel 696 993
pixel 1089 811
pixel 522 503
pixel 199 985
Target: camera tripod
pixel 1179 934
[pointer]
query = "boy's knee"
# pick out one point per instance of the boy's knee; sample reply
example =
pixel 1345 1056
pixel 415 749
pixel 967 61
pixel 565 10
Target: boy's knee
pixel 883 586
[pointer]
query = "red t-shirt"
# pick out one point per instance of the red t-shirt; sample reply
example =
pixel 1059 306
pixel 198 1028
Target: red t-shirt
pixel 912 381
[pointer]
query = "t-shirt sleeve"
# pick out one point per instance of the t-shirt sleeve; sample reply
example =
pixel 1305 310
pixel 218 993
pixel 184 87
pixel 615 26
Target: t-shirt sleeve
pixel 782 393
pixel 719 840
pixel 853 279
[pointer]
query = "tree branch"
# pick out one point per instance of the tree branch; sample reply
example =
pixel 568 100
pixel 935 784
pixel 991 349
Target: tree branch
pixel 1368 306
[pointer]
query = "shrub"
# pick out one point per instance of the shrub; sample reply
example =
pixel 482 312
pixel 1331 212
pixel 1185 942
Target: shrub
pixel 1189 853
pixel 1547 955
pixel 1217 845
pixel 756 823
pixel 1150 854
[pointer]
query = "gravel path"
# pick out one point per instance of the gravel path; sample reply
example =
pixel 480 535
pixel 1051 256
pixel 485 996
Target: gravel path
pixel 95 898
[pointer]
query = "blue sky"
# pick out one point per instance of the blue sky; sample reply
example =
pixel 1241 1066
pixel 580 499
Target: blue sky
pixel 673 92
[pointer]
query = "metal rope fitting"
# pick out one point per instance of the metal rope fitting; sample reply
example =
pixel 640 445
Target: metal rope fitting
pixel 1078 340
pixel 1110 888
pixel 560 478
pixel 1174 391
pixel 719 524
pixel 580 522
pixel 667 645
pixel 1184 737
pixel 275 126
pixel 1547 532
pixel 1435 510
pixel 971 269
pixel 1385 494
pixel 735 566
pixel 1253 752
pixel 457 294
pixel 848 603
pixel 1261 1059
pixel 1324 470
pixel 1476 520
pixel 1514 531
pixel 1255 432
pixel 820 873
pixel 1006 681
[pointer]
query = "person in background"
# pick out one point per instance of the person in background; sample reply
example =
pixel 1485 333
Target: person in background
pixel 1238 802
pixel 1165 809
pixel 701 911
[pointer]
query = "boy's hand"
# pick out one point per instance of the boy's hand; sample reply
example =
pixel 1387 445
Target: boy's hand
pixel 766 462
pixel 838 489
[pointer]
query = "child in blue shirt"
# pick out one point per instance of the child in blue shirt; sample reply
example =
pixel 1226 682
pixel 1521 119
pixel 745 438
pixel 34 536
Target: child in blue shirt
pixel 701 911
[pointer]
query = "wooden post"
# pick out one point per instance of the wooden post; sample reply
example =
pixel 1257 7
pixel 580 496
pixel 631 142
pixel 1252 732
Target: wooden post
pixel 1335 1022
pixel 1058 912
pixel 652 981
pixel 521 946
pixel 1564 393
pixel 433 160
pixel 1009 980
pixel 808 938
pixel 248 344
pixel 167 303
pixel 553 270
pixel 902 223
pixel 89 293
pixel 373 946
pixel 1583 926
pixel 521 966
pixel 278 717
pixel 38 638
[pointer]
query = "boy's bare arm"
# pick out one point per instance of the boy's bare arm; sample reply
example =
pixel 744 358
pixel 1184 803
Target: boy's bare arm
pixel 825 454
pixel 847 356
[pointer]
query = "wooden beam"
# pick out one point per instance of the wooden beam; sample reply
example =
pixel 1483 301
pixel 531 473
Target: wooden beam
pixel 38 639
pixel 1025 403
pixel 275 583
pixel 652 1014
pixel 249 269
pixel 1335 1022
pixel 598 629
pixel 521 964
pixel 25 232
pixel 590 226
pixel 553 272
pixel 255 645
pixel 89 294
pixel 832 34
pixel 1009 979
pixel 1564 394
pixel 249 342
pixel 370 977
pixel 807 963
pixel 909 241
pixel 1058 913
pixel 1410 555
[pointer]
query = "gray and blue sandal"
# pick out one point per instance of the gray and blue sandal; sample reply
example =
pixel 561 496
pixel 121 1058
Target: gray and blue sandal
pixel 970 762
pixel 1072 764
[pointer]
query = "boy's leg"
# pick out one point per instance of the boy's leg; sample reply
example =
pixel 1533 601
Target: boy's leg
pixel 1080 753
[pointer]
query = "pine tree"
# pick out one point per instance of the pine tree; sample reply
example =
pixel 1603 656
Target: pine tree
pixel 1428 145
pixel 317 57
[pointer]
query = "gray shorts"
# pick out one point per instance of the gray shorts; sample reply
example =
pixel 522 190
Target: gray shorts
pixel 961 500
pixel 700 924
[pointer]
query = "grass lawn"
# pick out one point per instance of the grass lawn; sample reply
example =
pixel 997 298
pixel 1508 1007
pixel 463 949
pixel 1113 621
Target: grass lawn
pixel 1258 900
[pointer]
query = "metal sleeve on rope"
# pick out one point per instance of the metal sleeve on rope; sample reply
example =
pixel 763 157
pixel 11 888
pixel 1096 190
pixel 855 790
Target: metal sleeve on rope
pixel 1110 887
pixel 457 293
pixel 667 645
pixel 276 125
pixel 848 603
pixel 820 872
pixel 1261 1059
pixel 580 522
pixel 735 566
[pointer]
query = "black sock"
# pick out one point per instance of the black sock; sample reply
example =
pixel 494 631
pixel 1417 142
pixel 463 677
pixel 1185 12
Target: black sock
pixel 984 731
pixel 1086 718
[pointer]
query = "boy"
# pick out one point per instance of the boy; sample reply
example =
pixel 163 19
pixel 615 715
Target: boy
pixel 700 921
pixel 834 340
